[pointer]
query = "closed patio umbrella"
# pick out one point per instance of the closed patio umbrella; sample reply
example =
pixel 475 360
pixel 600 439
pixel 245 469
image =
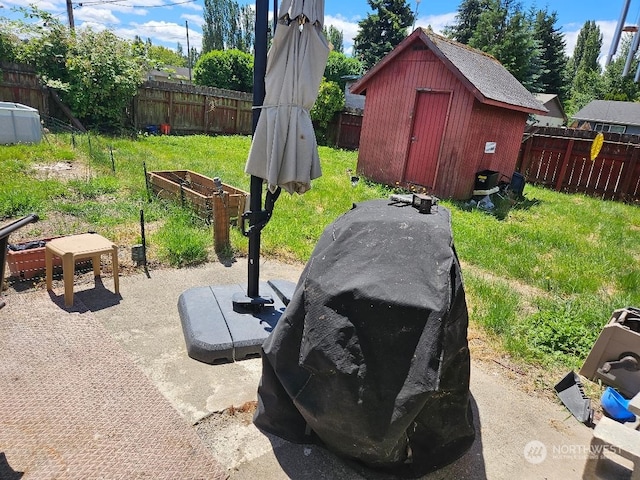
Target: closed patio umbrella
pixel 284 150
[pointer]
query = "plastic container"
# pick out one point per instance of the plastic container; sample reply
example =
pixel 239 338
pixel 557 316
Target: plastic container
pixel 19 124
pixel 486 179
pixel 616 406
pixel 517 183
pixel 165 129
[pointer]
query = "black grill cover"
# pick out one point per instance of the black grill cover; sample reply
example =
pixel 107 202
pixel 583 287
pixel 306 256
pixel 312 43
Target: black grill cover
pixel 370 358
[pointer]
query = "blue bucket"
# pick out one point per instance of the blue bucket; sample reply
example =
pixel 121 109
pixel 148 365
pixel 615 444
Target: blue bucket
pixel 616 406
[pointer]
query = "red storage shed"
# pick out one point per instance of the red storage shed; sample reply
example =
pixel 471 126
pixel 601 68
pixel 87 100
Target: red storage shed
pixel 437 112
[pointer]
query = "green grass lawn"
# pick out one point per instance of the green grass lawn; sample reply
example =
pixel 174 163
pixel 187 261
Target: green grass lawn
pixel 542 281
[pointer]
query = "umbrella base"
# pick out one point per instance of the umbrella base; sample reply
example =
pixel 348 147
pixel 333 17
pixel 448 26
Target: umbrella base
pixel 216 329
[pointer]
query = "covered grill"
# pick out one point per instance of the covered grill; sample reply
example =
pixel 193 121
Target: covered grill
pixel 370 358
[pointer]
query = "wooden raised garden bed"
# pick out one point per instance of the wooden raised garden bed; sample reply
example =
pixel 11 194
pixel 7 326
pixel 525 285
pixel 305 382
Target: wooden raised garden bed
pixel 201 194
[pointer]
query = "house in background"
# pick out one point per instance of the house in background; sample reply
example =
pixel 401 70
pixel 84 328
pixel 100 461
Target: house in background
pixel 437 113
pixel 555 117
pixel 170 74
pixel 609 116
pixel 352 103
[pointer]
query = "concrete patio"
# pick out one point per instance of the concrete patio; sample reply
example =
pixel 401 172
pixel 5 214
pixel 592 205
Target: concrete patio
pixel 105 389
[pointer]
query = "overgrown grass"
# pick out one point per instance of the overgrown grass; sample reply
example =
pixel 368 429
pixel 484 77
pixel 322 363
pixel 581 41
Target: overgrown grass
pixel 542 278
pixel 182 239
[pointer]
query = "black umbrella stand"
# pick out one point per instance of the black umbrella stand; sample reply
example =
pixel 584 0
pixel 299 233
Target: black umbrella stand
pixel 229 322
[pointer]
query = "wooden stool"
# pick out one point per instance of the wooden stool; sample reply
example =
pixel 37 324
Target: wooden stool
pixel 77 247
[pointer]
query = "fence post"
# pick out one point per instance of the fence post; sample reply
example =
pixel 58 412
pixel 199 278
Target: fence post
pixel 565 163
pixel 526 156
pixel 626 184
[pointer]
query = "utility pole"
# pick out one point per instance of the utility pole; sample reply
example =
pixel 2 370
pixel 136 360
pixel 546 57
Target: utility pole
pixel 186 24
pixel 415 15
pixel 70 14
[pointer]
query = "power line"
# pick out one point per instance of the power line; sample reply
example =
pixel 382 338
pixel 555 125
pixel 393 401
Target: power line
pixel 119 2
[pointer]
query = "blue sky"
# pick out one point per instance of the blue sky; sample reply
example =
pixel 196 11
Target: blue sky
pixel 164 20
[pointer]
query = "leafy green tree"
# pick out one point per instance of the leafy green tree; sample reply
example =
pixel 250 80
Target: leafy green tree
pixel 339 65
pixel 162 56
pixel 617 87
pixel 587 85
pixel 504 31
pixel 380 32
pixel 227 26
pixel 103 77
pixel 330 101
pixel 9 43
pixel 231 69
pixel 552 46
pixel 47 47
pixel 96 73
pixel 587 49
pixel 217 31
pixel 247 28
pixel 583 69
pixel 466 20
pixel 194 55
pixel 335 38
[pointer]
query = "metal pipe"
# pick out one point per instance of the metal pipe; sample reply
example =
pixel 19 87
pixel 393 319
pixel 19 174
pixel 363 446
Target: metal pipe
pixel 255 190
pixel 632 53
pixel 616 36
pixel 13 226
pixel 4 240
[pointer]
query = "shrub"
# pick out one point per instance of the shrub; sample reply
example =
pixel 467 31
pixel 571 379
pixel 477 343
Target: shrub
pixel 230 69
pixel 330 101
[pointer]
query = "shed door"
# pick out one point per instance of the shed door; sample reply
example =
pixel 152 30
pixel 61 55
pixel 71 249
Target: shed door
pixel 429 119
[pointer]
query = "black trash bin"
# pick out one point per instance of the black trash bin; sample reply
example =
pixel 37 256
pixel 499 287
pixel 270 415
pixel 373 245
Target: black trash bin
pixel 486 180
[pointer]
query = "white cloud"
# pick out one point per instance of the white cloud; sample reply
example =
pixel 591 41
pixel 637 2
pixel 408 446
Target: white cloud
pixel 193 19
pixel 51 6
pixel 607 28
pixel 162 33
pixel 349 29
pixel 93 15
pixel 437 22
pixel 192 6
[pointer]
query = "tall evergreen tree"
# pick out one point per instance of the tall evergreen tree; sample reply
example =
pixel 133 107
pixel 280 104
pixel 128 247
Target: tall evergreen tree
pixel 247 27
pixel 504 31
pixel 227 26
pixel 584 70
pixel 215 31
pixel 466 20
pixel 380 32
pixel 587 50
pixel 490 29
pixel 335 38
pixel 617 87
pixel 552 47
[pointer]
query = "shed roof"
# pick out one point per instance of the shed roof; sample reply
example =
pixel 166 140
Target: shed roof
pixel 610 111
pixel 485 76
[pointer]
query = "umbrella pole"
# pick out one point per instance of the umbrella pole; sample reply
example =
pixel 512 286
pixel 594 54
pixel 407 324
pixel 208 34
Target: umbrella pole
pixel 255 191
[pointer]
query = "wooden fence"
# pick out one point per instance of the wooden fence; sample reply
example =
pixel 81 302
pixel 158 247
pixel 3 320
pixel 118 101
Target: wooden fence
pixel 344 130
pixel 192 109
pixel 560 158
pixel 20 84
pixel 186 109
